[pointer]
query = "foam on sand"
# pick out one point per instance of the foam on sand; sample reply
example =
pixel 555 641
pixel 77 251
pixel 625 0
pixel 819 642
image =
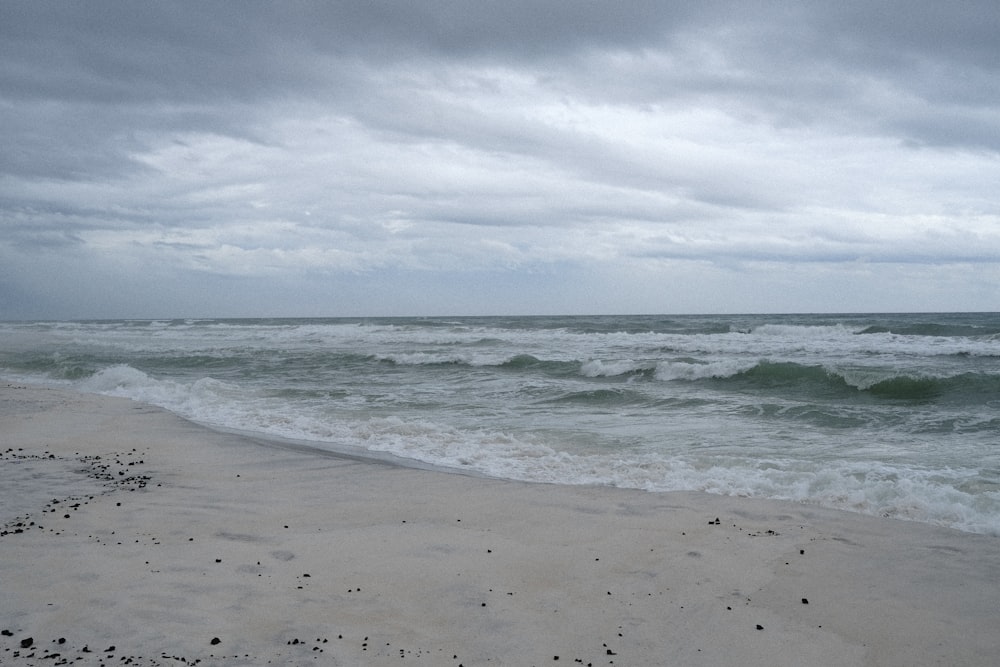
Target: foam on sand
pixel 141 538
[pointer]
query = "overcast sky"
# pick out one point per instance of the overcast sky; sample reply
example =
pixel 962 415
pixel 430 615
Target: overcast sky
pixel 195 159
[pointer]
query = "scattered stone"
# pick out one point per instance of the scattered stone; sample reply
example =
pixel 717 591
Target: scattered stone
pixel 760 627
pixel 805 601
pixel 215 640
pixel 27 641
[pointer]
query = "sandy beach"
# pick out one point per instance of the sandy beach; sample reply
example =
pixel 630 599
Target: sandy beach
pixel 130 536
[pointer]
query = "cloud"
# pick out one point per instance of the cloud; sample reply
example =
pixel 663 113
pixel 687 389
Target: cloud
pixel 204 153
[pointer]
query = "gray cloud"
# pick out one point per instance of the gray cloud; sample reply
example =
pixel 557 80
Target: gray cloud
pixel 230 146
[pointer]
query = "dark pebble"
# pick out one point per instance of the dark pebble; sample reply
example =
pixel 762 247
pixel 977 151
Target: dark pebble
pixel 26 642
pixel 215 640
pixel 805 601
pixel 760 627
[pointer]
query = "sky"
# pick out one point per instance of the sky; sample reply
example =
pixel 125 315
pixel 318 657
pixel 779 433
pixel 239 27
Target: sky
pixel 256 159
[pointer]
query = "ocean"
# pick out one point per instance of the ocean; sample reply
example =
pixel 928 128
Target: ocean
pixel 894 415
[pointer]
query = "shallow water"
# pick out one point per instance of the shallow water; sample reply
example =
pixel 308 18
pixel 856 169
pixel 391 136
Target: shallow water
pixel 895 415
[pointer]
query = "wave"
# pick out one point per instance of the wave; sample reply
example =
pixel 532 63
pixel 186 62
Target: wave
pixel 626 367
pixel 601 397
pixel 522 361
pixel 814 380
pixel 932 329
pixel 780 377
pixel 645 324
pixel 55 366
pixel 517 363
pixel 693 369
pixel 908 388
pixel 192 399
pixel 800 331
pixel 529 363
pixel 968 387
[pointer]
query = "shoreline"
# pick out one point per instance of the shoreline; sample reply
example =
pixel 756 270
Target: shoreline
pixel 178 536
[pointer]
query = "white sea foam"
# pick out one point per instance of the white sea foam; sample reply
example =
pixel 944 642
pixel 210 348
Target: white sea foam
pixel 598 368
pixel 685 370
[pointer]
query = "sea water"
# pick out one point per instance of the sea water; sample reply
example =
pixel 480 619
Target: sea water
pixel 891 415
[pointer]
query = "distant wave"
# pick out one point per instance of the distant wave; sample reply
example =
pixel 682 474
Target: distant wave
pixel 931 329
pixel 801 331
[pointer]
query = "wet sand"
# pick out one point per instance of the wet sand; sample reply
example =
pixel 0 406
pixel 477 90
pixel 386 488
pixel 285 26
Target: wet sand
pixel 130 536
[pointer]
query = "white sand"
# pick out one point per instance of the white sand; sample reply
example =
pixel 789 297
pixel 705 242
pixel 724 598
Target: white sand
pixel 295 558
